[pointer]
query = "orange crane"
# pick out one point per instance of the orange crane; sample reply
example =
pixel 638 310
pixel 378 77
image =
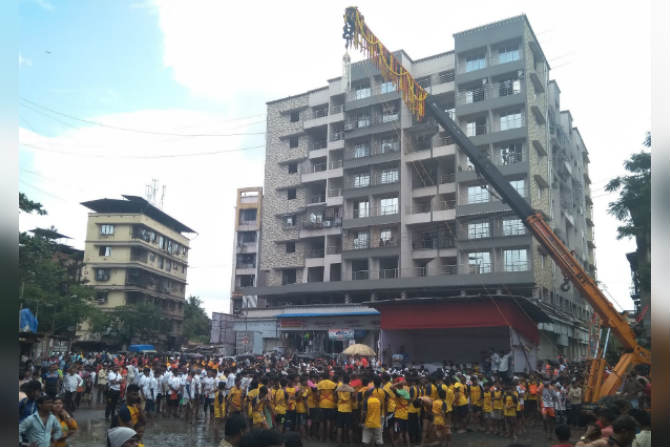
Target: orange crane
pixel 419 102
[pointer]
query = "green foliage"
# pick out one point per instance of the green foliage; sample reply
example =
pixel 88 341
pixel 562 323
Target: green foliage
pixel 140 322
pixel 28 206
pixel 196 326
pixel 633 209
pixel 49 281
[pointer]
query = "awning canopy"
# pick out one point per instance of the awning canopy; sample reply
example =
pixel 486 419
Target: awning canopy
pixel 328 314
pixel 460 313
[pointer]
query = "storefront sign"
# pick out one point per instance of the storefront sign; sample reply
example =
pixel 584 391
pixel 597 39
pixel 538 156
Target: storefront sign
pixel 289 322
pixel 341 334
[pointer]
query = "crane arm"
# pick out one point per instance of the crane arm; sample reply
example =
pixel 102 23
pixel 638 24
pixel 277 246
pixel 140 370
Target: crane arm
pixel 358 35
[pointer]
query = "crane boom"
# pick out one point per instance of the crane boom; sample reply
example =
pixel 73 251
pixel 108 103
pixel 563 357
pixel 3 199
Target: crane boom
pixel 419 102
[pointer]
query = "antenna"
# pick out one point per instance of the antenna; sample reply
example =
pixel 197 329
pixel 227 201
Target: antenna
pixel 162 202
pixel 151 193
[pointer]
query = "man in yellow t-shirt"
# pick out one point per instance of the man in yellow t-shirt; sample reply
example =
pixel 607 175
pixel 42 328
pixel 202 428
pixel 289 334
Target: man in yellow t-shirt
pixel 460 404
pixel 280 405
pixel 327 405
pixel 291 393
pixel 372 417
pixel 487 409
pixel 235 397
pixel 475 391
pixel 413 410
pixel 390 404
pixel 401 415
pixel 301 406
pixel 345 398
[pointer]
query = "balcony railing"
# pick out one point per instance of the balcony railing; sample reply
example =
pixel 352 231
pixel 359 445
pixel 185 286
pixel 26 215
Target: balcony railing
pixel 337 135
pixel 363 122
pixel 335 192
pixel 334 249
pixel 319 167
pixel 324 222
pixel 336 108
pixel 377 179
pixel 317 198
pixel 362 244
pixel 319 112
pixel 375 150
pixel 447 178
pixel 318 144
pixel 386 210
pixel 248 265
pixel 433 244
pixel 335 164
pixel 314 253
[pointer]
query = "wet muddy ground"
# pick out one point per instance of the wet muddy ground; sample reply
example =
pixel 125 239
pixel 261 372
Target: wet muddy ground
pixel 173 432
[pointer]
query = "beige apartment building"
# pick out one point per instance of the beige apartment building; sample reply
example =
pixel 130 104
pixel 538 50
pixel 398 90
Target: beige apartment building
pixel 136 253
pixel 363 204
pixel 245 247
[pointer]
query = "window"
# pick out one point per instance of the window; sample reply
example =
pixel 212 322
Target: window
pixel 101 297
pixel 424 82
pixel 389 144
pixel 161 262
pixel 389 113
pixel 516 260
pixel 293 142
pixel 288 276
pixel 477 194
pixel 102 274
pixel 361 180
pixel 510 154
pixel 105 251
pixel 290 247
pixel 291 193
pixel 508 53
pixel 477 127
pixel 363 92
pixel 361 151
pixel 478 230
pixel 388 206
pixel 474 94
pixel 388 87
pixel 510 87
pixel 447 76
pixel 385 236
pixel 289 221
pixel 513 227
pixel 292 168
pixel 510 121
pixel 106 229
pixel 361 209
pixel 479 262
pixel 295 116
pixel 475 62
pixel 520 186
pixel 363 121
pixel 389 176
pixel 361 240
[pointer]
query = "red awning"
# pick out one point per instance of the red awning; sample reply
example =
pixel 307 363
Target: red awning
pixel 469 314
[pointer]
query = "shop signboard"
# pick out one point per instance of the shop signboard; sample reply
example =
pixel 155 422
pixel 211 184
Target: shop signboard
pixel 341 334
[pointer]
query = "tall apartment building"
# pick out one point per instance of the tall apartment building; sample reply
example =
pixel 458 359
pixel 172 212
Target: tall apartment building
pixel 245 247
pixel 136 253
pixel 365 204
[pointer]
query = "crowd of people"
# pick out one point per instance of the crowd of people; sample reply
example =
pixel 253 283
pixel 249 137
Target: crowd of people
pixel 278 401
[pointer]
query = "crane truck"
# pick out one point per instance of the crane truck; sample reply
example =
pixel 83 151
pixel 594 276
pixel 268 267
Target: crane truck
pixel 357 35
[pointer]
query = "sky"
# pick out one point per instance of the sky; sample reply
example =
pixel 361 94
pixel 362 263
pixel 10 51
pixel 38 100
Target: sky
pixel 113 94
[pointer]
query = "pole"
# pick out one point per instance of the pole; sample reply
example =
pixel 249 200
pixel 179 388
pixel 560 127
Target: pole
pixel 607 339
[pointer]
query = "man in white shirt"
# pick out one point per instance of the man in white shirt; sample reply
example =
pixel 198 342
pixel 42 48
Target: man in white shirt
pixel 230 381
pixel 114 379
pixel 175 384
pixel 503 365
pixel 209 384
pixel 71 382
pixel 495 362
pixel 148 387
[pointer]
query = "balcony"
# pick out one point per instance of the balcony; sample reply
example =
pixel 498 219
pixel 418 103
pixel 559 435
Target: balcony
pixel 318 118
pixel 370 124
pixel 321 223
pixel 367 155
pixel 377 94
pixel 445 210
pixel 246 247
pixel 378 183
pixel 316 199
pixel 314 253
pixel 321 171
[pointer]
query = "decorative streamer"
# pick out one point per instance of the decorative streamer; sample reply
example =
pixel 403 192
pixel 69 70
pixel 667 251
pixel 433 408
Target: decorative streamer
pixel 390 68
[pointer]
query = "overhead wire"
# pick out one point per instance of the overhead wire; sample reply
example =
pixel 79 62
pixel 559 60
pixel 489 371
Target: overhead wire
pixel 37 106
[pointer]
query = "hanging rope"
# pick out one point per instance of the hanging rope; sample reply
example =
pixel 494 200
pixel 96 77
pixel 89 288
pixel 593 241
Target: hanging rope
pixel 358 35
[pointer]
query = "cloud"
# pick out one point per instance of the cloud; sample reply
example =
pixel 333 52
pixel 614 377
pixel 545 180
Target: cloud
pixel 24 61
pixel 200 190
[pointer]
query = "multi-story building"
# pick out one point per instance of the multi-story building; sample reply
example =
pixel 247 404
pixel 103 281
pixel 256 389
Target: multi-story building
pixel 363 204
pixel 222 332
pixel 245 247
pixel 136 253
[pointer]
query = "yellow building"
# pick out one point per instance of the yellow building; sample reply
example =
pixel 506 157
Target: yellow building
pixel 136 253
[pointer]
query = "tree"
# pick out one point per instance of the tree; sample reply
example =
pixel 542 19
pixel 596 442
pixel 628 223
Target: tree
pixel 48 283
pixel 196 326
pixel 132 322
pixel 633 209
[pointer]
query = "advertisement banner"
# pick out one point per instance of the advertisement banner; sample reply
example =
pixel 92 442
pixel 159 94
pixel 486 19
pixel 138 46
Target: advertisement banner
pixel 341 334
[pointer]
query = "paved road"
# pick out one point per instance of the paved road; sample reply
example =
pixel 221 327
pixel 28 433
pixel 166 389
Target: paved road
pixel 171 432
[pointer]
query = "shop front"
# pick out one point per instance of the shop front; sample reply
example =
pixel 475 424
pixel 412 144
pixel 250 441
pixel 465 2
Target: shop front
pixel 328 330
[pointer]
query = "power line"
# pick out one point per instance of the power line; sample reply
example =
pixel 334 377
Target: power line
pixel 126 129
pixel 158 156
